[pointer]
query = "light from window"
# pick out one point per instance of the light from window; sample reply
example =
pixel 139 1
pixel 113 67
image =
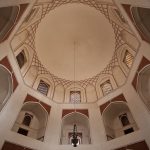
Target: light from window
pixel 21 59
pixel 124 119
pixel 43 87
pixel 27 119
pixel 75 96
pixel 128 59
pixel 106 87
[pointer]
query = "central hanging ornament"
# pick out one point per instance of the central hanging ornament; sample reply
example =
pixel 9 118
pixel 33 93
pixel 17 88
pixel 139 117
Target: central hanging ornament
pixel 75 140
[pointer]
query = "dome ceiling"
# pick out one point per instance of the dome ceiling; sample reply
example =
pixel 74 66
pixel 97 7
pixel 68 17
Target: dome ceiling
pixel 96 31
pixel 79 27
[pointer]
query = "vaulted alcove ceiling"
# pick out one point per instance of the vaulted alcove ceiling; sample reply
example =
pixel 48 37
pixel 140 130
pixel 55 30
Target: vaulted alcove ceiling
pixel 96 30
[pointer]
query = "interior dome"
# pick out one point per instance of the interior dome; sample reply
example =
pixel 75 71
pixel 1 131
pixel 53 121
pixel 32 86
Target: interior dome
pixel 75 27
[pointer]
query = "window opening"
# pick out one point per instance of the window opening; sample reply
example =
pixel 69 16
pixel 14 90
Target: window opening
pixel 23 131
pixel 128 59
pixel 43 87
pixel 27 119
pixel 124 119
pixel 106 87
pixel 127 131
pixel 75 96
pixel 21 59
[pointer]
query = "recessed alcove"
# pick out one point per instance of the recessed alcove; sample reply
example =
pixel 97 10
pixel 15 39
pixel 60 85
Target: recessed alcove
pixel 143 85
pixel 31 121
pixel 118 120
pixel 141 19
pixel 83 128
pixel 6 87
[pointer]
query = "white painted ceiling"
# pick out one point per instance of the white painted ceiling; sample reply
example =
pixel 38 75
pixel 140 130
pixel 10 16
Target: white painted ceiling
pixel 79 27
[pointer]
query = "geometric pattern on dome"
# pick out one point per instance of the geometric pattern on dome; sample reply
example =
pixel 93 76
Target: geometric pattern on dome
pixel 103 7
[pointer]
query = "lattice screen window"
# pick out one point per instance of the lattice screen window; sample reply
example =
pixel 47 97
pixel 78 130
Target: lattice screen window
pixel 75 96
pixel 106 87
pixel 21 59
pixel 43 87
pixel 128 59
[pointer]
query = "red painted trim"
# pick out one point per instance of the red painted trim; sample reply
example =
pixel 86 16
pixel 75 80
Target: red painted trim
pixel 119 98
pixel 30 98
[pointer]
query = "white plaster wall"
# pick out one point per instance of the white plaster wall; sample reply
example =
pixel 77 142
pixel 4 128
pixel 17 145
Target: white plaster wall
pixel 91 94
pixel 52 136
pixel 59 94
pixel 32 129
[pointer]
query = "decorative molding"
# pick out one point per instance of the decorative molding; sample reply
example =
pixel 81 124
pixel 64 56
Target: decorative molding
pixel 68 111
pixel 30 98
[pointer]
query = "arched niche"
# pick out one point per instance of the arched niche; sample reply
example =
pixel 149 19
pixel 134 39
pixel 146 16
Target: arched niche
pixel 8 16
pixel 48 80
pixel 118 120
pixel 75 87
pixel 83 128
pixel 6 87
pixel 141 20
pixel 143 85
pixel 37 125
pixel 121 54
pixel 28 56
pixel 102 79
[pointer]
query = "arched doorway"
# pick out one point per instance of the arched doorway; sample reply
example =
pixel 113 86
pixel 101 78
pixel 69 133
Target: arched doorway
pixel 6 86
pixel 118 120
pixel 83 128
pixel 31 121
